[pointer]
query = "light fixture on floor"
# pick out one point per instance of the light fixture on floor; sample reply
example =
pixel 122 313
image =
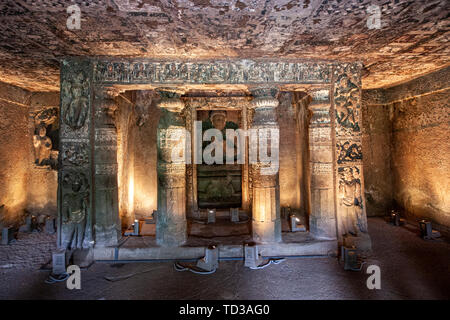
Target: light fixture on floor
pixel 134 231
pixel 395 218
pixel 210 262
pixel 426 230
pixel 234 214
pixel 8 235
pixel 350 258
pixel 211 216
pixel 50 225
pixel 252 258
pixel 295 224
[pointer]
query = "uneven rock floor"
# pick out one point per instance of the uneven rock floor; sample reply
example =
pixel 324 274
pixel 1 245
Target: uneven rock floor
pixel 411 268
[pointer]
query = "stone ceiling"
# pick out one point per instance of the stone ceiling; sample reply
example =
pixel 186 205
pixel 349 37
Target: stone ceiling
pixel 413 38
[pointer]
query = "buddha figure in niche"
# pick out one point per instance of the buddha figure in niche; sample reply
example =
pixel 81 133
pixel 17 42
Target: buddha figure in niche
pixel 42 146
pixel 222 187
pixel 218 120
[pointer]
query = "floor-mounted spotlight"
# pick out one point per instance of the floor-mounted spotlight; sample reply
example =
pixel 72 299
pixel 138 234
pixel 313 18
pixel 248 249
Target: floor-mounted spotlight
pixel 135 230
pixel 234 214
pixel 395 218
pixel 252 258
pixel 426 230
pixel 8 235
pixel 211 216
pixel 295 224
pixel 210 261
pixel 350 258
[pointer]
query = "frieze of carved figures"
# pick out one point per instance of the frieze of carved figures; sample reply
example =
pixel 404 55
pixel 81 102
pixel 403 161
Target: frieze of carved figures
pixel 348 152
pixel 76 154
pixel 75 101
pixel 240 71
pixel 75 210
pixel 350 201
pixel 347 99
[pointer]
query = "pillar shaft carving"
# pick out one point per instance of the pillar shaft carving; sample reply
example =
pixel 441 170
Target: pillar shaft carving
pixel 266 223
pixel 75 185
pixel 322 218
pixel 107 221
pixel 351 212
pixel 171 227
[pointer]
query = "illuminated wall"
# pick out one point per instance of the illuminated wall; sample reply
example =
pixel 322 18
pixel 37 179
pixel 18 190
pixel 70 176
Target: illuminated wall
pixel 145 180
pixel 14 151
pixel 418 147
pixel 23 186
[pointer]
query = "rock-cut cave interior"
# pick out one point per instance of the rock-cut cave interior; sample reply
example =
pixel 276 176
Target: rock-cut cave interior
pixel 308 138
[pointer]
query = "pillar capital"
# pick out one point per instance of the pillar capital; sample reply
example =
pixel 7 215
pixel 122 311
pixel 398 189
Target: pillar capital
pixel 264 97
pixel 170 99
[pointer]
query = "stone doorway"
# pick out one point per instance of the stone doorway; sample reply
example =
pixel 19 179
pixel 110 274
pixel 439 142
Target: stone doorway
pixel 219 185
pixel 333 94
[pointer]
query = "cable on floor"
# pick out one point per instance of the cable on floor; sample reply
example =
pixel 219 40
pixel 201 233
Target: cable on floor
pixel 179 267
pixel 268 263
pixel 57 278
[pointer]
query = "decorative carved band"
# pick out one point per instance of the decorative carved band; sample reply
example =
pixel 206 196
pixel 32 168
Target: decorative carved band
pixel 211 72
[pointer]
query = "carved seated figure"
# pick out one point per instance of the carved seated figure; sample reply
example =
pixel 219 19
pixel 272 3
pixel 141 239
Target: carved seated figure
pixel 218 120
pixel 42 147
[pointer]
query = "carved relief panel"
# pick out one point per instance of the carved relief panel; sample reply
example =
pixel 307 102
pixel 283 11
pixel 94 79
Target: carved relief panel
pixel 75 159
pixel 349 176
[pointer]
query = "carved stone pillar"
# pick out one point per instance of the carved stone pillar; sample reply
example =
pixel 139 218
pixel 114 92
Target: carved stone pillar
pixel 266 223
pixel 191 168
pixel 322 218
pixel 350 203
pixel 171 227
pixel 75 185
pixel 245 169
pixel 106 202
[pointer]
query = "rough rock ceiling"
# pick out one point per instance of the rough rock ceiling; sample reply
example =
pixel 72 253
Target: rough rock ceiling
pixel 413 38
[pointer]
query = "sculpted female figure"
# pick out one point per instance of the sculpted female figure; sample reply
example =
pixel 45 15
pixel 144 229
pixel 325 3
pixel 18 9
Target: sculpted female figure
pixel 42 146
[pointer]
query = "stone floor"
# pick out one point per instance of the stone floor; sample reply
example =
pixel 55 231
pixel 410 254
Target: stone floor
pixel 411 268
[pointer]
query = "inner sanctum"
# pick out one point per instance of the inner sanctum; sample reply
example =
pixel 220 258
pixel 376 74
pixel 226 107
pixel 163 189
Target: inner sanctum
pixel 189 155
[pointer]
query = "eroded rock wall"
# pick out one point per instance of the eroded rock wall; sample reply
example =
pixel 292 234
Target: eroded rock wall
pixel 407 148
pixel 421 148
pixel 377 145
pixel 23 185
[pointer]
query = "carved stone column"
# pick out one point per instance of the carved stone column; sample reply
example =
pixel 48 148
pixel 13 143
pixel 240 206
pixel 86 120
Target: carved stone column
pixel 75 185
pixel 191 168
pixel 106 202
pixel 322 218
pixel 350 203
pixel 171 227
pixel 245 178
pixel 266 223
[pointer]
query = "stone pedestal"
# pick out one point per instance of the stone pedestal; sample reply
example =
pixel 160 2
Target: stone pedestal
pixel 266 223
pixel 171 227
pixel 107 223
